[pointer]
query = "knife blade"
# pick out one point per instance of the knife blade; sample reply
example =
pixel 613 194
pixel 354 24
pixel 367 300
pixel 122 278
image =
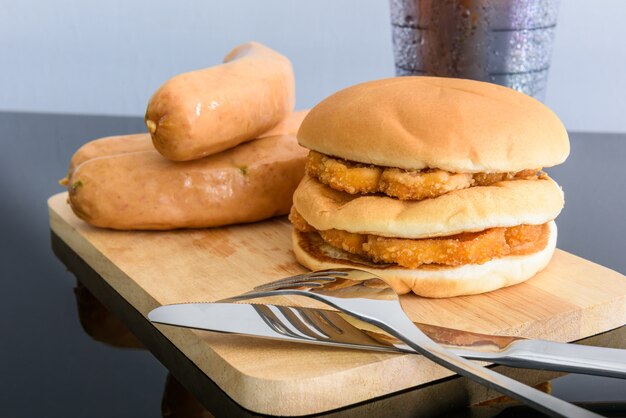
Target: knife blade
pixel 325 327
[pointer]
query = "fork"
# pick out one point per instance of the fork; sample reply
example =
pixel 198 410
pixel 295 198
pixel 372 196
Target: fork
pixel 367 297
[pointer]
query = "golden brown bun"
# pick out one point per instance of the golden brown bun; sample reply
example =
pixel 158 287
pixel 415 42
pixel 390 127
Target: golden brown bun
pixel 453 124
pixel 503 204
pixel 432 282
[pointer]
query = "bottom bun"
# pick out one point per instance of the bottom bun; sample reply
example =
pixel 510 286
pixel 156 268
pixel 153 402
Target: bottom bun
pixel 431 281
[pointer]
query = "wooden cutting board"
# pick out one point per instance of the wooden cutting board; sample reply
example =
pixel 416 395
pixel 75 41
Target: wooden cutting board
pixel 571 299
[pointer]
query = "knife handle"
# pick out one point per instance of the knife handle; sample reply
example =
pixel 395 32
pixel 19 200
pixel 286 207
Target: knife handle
pixel 571 358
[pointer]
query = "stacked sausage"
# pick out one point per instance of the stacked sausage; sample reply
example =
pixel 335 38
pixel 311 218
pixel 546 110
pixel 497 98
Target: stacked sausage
pixel 220 150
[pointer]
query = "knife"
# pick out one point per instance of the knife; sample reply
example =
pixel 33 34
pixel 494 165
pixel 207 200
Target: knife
pixel 325 327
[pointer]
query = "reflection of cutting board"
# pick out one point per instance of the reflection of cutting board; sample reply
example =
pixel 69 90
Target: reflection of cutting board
pixel 572 299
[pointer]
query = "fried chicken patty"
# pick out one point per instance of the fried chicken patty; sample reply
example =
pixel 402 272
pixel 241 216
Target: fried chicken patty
pixel 353 178
pixel 454 250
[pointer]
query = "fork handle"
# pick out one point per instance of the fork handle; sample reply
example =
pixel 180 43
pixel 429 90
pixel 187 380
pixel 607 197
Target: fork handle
pixel 403 329
pixel 547 355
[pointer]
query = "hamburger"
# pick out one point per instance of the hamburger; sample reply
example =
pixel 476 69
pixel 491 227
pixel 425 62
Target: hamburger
pixel 434 184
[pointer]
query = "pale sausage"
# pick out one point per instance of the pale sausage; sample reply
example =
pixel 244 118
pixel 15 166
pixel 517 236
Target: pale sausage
pixel 111 145
pixel 122 144
pixel 143 190
pixel 207 111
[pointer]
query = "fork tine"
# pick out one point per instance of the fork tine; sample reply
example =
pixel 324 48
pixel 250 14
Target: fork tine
pixel 318 275
pixel 262 291
pixel 287 285
pixel 329 272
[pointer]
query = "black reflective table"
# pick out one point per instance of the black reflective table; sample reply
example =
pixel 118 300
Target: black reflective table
pixel 63 353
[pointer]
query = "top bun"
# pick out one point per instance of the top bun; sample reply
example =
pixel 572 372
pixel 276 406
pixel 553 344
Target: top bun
pixel 430 122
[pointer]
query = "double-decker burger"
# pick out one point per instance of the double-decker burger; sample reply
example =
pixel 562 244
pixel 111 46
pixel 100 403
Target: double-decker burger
pixel 434 184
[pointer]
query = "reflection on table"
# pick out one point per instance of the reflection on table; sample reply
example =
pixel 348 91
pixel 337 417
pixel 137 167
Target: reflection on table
pixel 104 327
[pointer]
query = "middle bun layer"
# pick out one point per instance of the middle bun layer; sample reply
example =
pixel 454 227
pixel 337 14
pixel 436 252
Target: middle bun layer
pixel 503 204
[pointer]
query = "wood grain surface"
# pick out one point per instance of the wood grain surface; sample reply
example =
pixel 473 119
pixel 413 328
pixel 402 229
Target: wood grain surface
pixel 571 299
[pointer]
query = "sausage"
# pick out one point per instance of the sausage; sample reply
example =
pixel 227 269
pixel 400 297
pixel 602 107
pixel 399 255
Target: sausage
pixel 109 145
pixel 122 144
pixel 145 191
pixel 207 111
pixel 289 125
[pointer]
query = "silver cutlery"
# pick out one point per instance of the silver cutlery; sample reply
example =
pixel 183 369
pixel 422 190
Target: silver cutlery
pixel 368 298
pixel 325 327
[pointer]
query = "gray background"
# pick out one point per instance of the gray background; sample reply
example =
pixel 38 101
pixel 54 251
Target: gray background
pixel 107 57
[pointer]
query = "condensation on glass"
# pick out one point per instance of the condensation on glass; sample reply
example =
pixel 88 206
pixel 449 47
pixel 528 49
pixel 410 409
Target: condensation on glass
pixel 508 42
